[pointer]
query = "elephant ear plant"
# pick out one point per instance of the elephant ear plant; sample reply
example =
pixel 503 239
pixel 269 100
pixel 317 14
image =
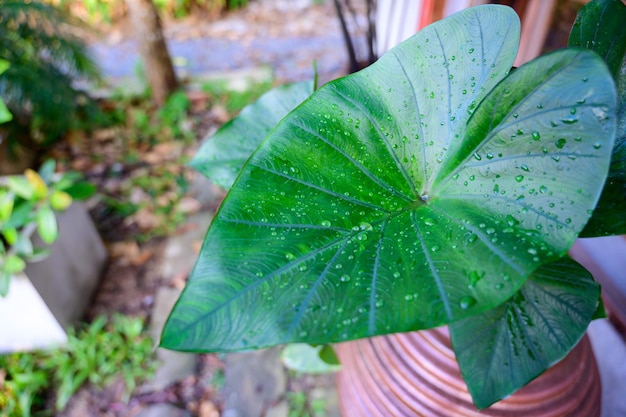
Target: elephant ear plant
pixel 434 187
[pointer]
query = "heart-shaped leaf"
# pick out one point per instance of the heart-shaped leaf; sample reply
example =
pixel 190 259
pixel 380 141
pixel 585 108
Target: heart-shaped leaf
pixel 501 350
pixel 600 27
pixel 391 200
pixel 222 156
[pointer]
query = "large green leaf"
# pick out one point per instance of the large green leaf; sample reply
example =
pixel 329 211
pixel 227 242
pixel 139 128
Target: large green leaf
pixel 391 201
pixel 503 349
pixel 222 156
pixel 600 27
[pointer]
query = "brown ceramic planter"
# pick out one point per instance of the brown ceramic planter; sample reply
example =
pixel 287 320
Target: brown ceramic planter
pixel 416 374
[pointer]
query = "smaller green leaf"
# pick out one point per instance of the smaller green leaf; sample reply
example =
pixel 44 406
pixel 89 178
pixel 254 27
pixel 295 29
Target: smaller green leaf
pixel 47 224
pixel 503 349
pixel 5 280
pixel 223 155
pixel 46 171
pixel 599 26
pixel 21 186
pixel 21 215
pixel 328 355
pixel 13 264
pixel 7 200
pixel 40 188
pixel 38 254
pixel 60 200
pixel 23 246
pixel 80 191
pixel 302 357
pixel 10 235
pixel 66 180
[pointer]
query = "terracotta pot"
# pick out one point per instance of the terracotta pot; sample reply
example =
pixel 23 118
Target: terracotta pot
pixel 416 374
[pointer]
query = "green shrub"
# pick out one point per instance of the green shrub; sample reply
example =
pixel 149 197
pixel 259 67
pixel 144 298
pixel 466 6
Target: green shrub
pixel 46 58
pixel 96 354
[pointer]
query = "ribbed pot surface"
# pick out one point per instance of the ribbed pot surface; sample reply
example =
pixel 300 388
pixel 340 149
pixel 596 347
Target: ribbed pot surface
pixel 416 374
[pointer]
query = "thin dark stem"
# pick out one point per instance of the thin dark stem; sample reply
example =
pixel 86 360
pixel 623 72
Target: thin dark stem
pixel 371 30
pixel 354 65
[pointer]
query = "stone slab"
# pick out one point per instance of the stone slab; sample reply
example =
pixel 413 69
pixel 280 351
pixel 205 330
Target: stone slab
pixel 173 366
pixel 68 277
pixel 180 253
pixel 26 321
pixel 255 383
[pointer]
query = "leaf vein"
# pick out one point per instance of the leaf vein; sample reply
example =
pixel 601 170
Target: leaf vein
pixel 307 300
pixel 433 270
pixel 354 162
pixel 324 190
pixel 374 123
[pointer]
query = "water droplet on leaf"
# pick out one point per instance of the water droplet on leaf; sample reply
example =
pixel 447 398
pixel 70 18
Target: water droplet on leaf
pixel 467 302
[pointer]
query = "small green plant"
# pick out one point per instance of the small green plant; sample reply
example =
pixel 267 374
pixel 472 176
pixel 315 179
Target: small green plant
pixel 96 354
pixel 27 205
pixel 300 405
pixel 235 98
pixel 435 187
pixel 173 115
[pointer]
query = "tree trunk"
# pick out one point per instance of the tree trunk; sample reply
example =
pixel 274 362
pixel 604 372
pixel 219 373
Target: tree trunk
pixel 153 50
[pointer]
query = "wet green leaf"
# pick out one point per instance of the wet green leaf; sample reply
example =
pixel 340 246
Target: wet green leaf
pixel 600 27
pixel 222 155
pixel 406 196
pixel 503 349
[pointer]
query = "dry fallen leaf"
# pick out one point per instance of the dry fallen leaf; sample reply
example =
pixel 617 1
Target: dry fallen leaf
pixel 144 218
pixel 189 205
pixel 208 409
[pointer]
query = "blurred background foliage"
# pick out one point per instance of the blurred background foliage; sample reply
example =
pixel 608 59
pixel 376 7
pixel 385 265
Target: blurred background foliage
pixel 99 12
pixel 45 57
